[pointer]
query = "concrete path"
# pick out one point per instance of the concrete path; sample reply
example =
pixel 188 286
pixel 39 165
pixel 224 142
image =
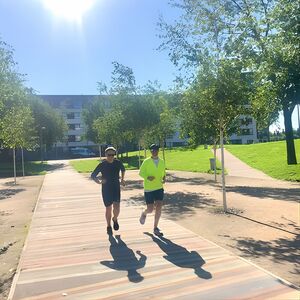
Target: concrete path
pixel 68 254
pixel 236 167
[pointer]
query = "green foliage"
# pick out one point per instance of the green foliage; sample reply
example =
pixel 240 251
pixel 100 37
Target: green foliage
pixel 90 114
pixel 134 114
pixel 215 100
pixel 262 35
pixel 17 128
pixel 45 116
pixel 21 114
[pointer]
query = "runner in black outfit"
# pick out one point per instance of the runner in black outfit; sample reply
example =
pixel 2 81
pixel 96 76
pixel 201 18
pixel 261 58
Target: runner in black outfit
pixel 110 169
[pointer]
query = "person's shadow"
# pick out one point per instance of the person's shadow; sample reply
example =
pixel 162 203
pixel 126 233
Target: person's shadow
pixel 124 259
pixel 180 256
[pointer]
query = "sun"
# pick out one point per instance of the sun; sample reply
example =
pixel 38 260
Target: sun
pixel 71 10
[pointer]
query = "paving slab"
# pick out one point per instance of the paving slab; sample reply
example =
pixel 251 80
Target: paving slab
pixel 68 254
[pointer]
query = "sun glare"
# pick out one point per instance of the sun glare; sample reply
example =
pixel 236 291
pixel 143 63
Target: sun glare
pixel 72 10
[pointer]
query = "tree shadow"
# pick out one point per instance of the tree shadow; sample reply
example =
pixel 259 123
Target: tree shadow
pixel 180 256
pixel 275 225
pixel 178 204
pixel 134 184
pixel 8 193
pixel 124 259
pixel 172 178
pixel 265 192
pixel 282 250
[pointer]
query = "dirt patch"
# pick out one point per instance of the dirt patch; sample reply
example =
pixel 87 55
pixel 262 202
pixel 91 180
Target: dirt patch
pixel 17 203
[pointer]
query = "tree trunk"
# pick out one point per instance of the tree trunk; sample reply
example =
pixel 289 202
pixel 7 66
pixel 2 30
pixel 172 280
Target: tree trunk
pixel 23 169
pixel 139 154
pixel 215 157
pixel 223 169
pixel 163 149
pixel 289 137
pixel 14 160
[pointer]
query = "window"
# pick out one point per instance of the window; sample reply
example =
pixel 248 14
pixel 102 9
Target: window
pixel 70 116
pixel 71 138
pixel 74 126
pixel 237 141
pixel 247 131
pixel 76 115
pixel 246 121
pixel 77 138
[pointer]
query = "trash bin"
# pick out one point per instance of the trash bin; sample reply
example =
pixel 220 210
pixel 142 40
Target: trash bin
pixel 212 163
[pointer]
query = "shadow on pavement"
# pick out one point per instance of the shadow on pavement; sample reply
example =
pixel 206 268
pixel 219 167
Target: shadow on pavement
pixel 178 204
pixel 124 259
pixel 8 193
pixel 134 184
pixel 190 181
pixel 180 256
pixel 265 192
pixel 280 250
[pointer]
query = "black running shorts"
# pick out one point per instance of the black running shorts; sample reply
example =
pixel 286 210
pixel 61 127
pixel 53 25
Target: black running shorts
pixel 157 195
pixel 110 194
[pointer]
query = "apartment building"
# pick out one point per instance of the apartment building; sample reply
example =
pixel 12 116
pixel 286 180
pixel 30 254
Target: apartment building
pixel 71 107
pixel 247 133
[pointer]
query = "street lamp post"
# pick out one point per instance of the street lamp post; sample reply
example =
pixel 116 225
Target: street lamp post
pixel 41 148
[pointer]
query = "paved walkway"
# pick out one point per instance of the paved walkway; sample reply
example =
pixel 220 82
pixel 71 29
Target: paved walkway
pixel 236 167
pixel 68 254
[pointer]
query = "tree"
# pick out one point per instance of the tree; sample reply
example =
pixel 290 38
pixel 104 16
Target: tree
pixel 264 35
pixel 109 128
pixel 90 114
pixel 164 127
pixel 197 41
pixel 17 130
pixel 46 117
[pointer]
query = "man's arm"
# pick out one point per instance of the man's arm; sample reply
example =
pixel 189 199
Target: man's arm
pixel 95 173
pixel 122 174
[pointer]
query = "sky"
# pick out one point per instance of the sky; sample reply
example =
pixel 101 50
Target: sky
pixel 66 46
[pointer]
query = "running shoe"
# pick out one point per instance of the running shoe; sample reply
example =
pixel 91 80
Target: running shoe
pixel 143 218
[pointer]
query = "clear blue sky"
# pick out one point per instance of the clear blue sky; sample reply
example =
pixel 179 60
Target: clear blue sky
pixel 62 56
pixel 65 55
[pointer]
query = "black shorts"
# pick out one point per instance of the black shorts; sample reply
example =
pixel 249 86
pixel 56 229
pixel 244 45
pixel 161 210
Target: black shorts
pixel 157 195
pixel 111 194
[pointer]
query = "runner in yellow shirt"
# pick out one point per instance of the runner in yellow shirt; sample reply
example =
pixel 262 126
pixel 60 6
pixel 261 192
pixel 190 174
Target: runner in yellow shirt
pixel 153 172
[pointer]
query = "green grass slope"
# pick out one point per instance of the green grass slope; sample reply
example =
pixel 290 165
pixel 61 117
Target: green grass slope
pixel 270 158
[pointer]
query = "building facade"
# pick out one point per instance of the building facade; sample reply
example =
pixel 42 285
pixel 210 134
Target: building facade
pixel 71 108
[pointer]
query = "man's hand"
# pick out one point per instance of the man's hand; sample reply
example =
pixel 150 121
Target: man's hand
pixel 150 178
pixel 103 181
pixel 122 182
pixel 96 179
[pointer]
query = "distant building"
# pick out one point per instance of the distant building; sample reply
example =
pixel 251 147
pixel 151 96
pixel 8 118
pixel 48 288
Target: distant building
pixel 247 133
pixel 71 108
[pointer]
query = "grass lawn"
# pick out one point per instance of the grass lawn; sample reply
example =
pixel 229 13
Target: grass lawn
pixel 30 168
pixel 182 159
pixel 269 158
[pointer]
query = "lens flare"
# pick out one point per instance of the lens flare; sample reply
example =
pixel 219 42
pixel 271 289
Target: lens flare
pixel 71 10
